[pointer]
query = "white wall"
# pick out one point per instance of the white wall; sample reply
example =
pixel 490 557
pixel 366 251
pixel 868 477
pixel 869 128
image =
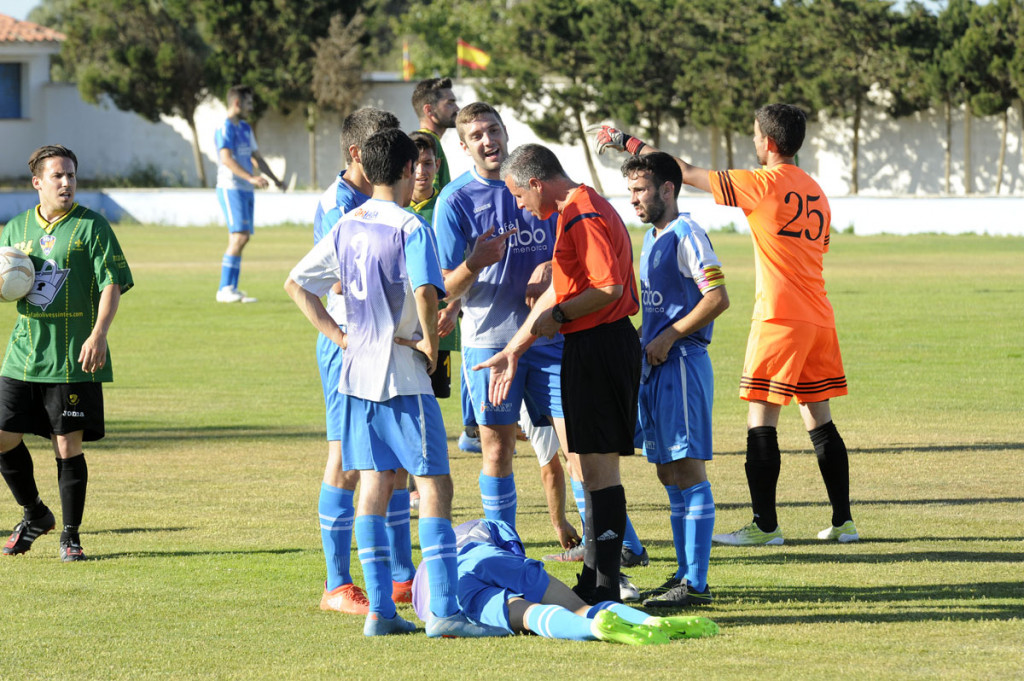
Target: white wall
pixel 898 158
pixel 903 157
pixel 199 208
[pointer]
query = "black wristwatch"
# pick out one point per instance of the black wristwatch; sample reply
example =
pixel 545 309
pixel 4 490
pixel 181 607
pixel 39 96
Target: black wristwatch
pixel 558 315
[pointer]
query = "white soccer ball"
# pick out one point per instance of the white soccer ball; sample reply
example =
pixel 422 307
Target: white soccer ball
pixel 16 274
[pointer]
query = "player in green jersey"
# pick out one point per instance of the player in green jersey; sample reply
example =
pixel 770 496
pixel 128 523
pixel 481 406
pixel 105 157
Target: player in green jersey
pixel 436 109
pixel 57 357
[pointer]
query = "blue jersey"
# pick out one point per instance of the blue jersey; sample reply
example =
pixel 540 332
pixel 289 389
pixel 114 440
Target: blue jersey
pixel 495 306
pixel 676 268
pixel 384 253
pixel 338 199
pixel 239 139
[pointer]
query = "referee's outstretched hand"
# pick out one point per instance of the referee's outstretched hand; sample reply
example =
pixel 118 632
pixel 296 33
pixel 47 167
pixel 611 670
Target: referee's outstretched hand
pixel 503 370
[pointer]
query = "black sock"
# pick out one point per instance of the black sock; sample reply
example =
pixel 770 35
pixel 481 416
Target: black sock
pixel 762 467
pixel 17 470
pixel 834 465
pixel 609 525
pixel 72 479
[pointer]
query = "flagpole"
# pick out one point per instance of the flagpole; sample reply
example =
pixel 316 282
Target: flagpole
pixel 458 62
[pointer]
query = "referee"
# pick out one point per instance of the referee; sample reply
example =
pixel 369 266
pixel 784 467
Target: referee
pixel 593 293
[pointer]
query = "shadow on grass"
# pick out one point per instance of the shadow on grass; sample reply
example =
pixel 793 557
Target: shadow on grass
pixel 929 602
pixel 134 436
pixel 139 530
pixel 916 449
pixel 190 554
pixel 739 506
pixel 772 556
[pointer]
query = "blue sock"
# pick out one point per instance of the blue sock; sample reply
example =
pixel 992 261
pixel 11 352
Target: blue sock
pixel 554 621
pixel 630 539
pixel 336 515
pixel 372 540
pixel 499 498
pixel 677 520
pixel 400 537
pixel 580 497
pixel 229 267
pixel 700 521
pixel 631 615
pixel 437 540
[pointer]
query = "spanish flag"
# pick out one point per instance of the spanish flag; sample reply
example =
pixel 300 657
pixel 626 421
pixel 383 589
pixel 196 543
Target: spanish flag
pixel 407 68
pixel 471 57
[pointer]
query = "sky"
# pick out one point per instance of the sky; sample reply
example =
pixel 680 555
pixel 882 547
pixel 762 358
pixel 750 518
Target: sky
pixel 18 9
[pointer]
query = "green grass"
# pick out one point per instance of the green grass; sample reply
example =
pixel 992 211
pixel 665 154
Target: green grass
pixel 201 519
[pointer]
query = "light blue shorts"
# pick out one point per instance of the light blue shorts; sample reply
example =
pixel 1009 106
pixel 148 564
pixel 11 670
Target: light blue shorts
pixel 238 207
pixel 328 359
pixel 538 381
pixel 403 432
pixel 675 409
pixel 490 575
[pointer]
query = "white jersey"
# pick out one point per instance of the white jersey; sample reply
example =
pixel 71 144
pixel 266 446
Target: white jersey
pixel 381 253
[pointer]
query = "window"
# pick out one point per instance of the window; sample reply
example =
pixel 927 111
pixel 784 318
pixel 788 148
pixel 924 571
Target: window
pixel 10 90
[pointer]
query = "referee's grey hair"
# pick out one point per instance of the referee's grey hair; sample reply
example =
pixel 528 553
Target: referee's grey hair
pixel 531 161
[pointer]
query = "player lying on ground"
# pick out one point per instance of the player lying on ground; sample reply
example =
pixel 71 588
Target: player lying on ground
pixel 500 588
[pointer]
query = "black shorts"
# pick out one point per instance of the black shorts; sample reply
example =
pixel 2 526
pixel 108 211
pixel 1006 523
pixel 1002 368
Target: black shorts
pixel 441 379
pixel 600 386
pixel 46 409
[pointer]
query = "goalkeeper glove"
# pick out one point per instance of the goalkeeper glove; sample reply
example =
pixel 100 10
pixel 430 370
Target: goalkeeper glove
pixel 606 136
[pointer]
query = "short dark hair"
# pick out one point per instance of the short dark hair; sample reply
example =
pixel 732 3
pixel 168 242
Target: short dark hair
pixel 238 92
pixel 361 123
pixel 424 141
pixel 785 124
pixel 471 112
pixel 531 161
pixel 386 154
pixel 38 158
pixel 662 167
pixel 428 92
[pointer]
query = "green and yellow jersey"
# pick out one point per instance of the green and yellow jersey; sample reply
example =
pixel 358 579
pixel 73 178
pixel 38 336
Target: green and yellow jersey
pixel 75 258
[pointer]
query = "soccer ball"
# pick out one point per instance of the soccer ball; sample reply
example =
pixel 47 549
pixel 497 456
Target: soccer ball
pixel 16 274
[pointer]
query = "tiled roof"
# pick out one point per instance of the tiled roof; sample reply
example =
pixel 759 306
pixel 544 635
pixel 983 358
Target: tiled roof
pixel 14 31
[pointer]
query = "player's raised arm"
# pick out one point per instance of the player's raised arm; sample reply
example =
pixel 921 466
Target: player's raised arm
pixel 607 137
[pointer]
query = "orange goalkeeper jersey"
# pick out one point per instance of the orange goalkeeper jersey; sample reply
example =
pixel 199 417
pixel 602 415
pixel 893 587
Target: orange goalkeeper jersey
pixel 789 221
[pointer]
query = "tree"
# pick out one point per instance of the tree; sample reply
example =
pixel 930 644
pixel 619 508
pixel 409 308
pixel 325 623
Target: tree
pixel 146 57
pixel 982 55
pixel 269 46
pixel 637 48
pixel 433 28
pixel 851 42
pixel 944 79
pixel 734 65
pixel 542 69
pixel 53 14
pixel 337 73
pixel 1017 64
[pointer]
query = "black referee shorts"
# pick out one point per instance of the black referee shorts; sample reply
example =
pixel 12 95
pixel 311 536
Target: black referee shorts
pixel 600 384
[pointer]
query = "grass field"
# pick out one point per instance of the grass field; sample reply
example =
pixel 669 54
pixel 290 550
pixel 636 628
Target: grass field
pixel 203 540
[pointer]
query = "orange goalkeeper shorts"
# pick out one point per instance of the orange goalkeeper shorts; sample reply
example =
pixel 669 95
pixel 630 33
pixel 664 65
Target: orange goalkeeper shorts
pixel 787 359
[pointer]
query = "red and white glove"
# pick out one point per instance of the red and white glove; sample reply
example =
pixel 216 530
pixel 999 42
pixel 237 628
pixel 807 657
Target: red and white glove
pixel 605 136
